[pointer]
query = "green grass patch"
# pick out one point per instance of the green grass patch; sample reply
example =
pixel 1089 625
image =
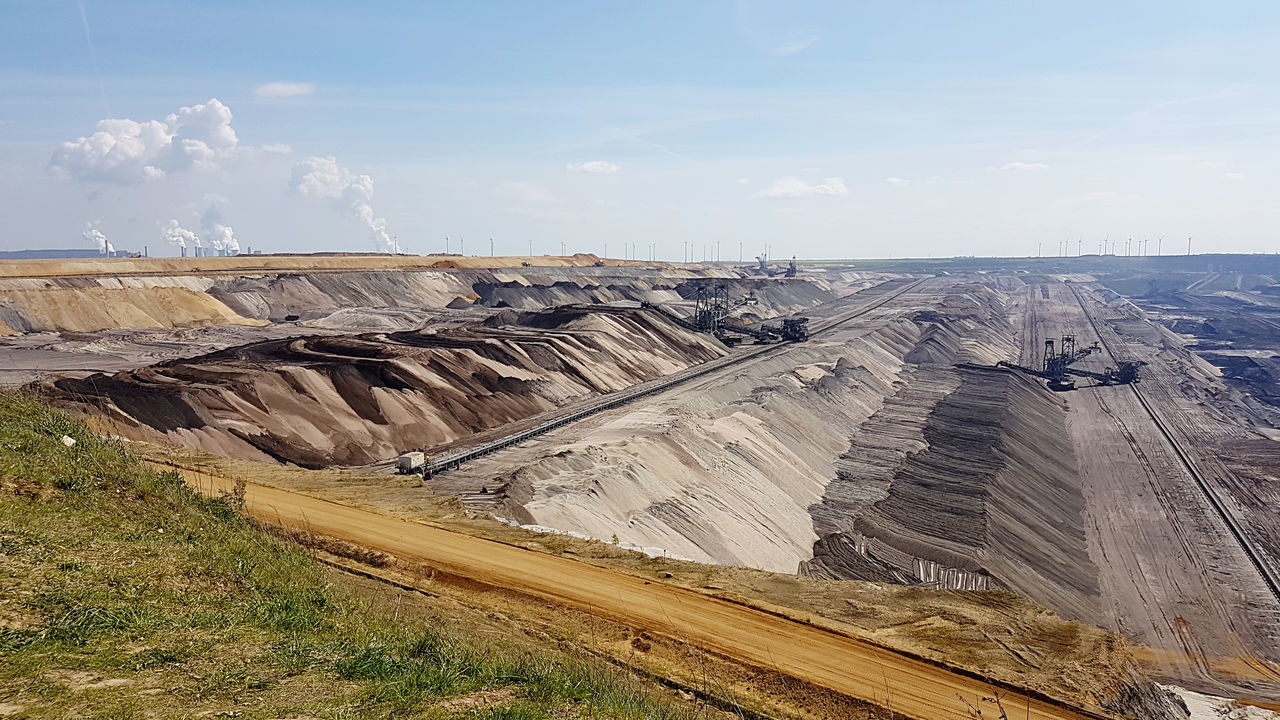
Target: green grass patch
pixel 125 594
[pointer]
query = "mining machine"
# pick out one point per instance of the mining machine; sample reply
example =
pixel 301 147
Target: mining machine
pixel 1060 356
pixel 711 310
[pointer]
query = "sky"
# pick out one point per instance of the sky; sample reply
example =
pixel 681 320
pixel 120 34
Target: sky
pixel 684 129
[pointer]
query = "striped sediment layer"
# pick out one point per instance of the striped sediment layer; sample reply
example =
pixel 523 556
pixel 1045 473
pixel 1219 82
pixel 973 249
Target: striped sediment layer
pixel 356 399
pixel 356 298
pixel 965 479
pixel 728 470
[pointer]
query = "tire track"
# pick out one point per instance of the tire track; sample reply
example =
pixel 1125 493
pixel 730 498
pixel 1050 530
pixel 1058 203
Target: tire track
pixel 1220 508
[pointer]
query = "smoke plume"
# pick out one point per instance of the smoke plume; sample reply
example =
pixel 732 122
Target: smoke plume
pixel 177 235
pixel 323 177
pixel 220 236
pixel 95 236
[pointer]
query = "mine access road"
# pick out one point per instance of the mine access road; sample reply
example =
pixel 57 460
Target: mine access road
pixel 916 687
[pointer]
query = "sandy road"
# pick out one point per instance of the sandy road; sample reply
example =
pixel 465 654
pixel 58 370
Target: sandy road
pixel 918 688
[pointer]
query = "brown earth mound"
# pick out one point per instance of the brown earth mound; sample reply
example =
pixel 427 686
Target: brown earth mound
pixel 357 399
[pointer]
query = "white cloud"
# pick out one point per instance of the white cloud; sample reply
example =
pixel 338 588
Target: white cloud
pixel 1234 177
pixel 323 177
pixel 285 89
pixel 595 167
pixel 1019 166
pixel 277 149
pixel 896 181
pixel 793 187
pixel 125 152
pixel 796 41
pixel 744 180
pixel 1213 164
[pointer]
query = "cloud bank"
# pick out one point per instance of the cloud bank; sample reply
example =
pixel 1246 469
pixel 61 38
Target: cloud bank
pixel 127 152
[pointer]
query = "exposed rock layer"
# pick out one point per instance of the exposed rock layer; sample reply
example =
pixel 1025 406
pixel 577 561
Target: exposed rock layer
pixel 357 399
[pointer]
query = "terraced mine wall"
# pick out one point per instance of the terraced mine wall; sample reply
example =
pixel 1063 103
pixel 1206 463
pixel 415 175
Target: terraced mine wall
pixel 865 456
pixel 987 495
pixel 356 399
pixel 351 299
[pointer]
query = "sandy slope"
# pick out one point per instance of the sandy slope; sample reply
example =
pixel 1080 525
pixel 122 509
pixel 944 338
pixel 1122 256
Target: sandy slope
pixel 917 688
pixel 357 399
pixel 269 263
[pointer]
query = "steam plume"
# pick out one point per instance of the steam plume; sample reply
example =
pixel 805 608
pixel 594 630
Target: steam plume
pixel 95 236
pixel 323 177
pixel 177 235
pixel 219 235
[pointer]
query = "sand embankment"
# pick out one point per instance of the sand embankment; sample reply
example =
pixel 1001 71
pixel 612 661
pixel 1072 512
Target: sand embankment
pixel 116 267
pixel 342 292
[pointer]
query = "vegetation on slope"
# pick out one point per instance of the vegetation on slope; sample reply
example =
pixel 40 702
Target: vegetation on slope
pixel 124 594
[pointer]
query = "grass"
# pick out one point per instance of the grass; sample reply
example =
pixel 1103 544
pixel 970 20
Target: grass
pixel 124 594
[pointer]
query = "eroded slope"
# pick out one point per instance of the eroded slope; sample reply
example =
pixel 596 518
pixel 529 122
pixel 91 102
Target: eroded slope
pixel 356 399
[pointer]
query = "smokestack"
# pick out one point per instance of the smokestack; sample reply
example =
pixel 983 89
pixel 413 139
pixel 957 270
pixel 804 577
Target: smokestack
pixel 184 250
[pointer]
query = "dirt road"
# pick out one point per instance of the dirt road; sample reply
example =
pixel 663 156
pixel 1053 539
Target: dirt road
pixel 917 688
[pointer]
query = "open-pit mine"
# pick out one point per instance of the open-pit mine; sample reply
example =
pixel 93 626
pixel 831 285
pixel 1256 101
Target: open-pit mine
pixel 1090 437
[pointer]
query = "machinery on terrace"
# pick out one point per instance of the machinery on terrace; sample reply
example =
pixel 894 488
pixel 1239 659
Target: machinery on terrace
pixel 711 310
pixel 1057 361
pixel 712 306
pixel 795 329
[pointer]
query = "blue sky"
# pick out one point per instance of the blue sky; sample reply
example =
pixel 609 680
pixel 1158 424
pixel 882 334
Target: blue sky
pixel 834 129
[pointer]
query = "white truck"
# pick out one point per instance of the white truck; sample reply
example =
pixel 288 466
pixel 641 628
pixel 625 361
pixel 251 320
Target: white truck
pixel 410 462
